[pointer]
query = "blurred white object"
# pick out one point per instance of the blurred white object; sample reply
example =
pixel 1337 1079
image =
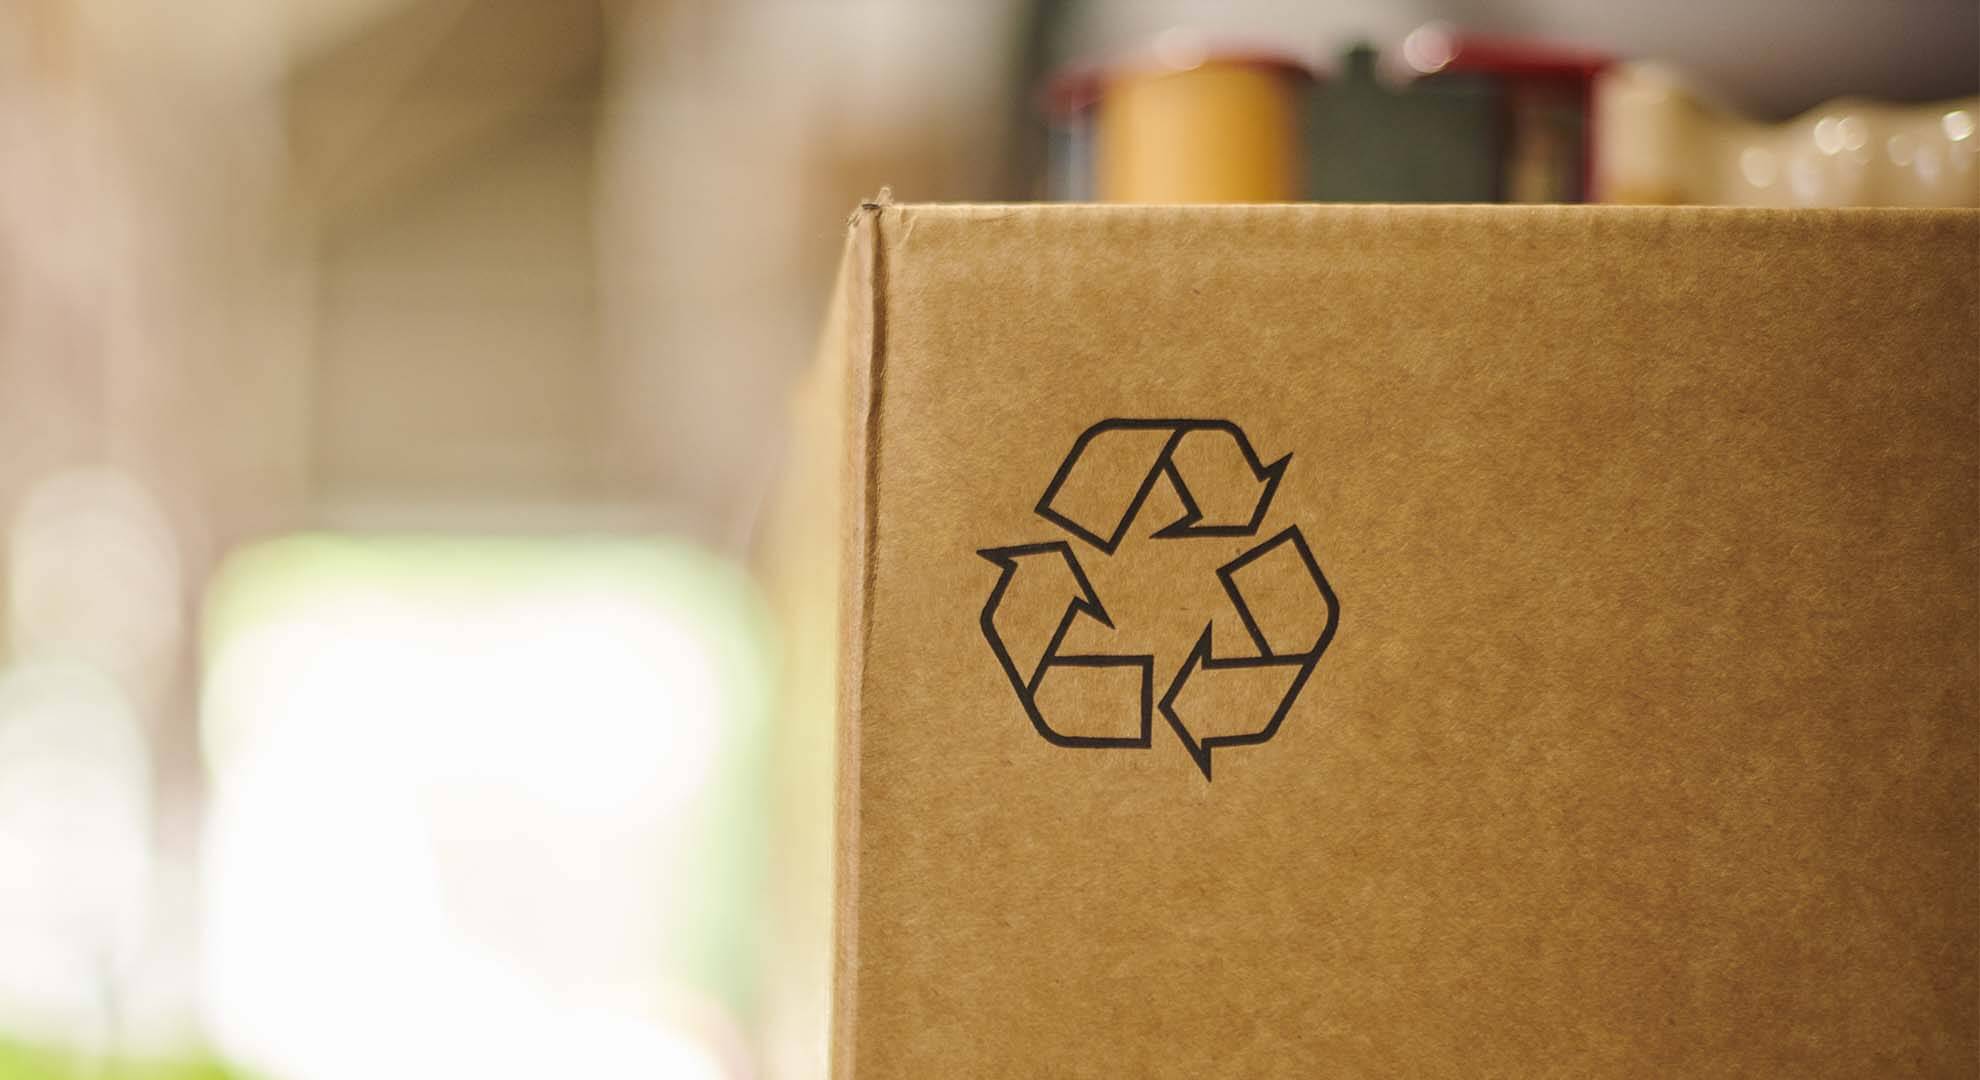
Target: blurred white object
pixel 75 853
pixel 1659 141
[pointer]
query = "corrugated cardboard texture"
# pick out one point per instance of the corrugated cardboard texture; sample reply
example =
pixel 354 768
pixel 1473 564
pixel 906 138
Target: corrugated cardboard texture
pixel 1644 744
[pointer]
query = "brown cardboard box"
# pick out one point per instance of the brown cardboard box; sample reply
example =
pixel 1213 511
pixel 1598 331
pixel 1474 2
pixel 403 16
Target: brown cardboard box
pixel 1314 641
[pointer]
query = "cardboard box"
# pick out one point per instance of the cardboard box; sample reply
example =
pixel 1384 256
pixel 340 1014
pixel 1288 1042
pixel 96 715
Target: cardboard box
pixel 1302 641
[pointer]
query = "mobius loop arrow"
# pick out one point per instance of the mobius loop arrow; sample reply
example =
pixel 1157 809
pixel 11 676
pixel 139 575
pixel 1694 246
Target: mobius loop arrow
pixel 1215 700
pixel 1081 480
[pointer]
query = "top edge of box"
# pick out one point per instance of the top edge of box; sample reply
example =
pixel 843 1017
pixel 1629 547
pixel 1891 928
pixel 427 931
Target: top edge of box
pixel 976 209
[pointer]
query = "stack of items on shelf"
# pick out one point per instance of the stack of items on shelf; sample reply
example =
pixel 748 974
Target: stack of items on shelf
pixel 1452 117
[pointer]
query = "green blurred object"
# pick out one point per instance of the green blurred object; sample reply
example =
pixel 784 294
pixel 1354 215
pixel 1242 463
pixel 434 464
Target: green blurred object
pixel 1436 140
pixel 20 1061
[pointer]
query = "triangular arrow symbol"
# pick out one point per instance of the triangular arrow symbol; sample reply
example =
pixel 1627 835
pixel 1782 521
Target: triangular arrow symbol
pixel 1224 489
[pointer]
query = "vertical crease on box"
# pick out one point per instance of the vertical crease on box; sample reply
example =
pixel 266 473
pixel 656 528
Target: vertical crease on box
pixel 865 345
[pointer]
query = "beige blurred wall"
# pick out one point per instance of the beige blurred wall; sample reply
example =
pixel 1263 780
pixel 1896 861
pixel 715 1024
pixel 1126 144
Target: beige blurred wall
pixel 485 265
pixel 568 258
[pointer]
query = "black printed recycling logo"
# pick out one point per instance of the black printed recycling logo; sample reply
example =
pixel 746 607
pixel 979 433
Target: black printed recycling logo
pixel 1220 693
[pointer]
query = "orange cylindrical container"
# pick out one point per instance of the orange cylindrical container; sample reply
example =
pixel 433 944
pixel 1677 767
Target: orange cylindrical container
pixel 1225 129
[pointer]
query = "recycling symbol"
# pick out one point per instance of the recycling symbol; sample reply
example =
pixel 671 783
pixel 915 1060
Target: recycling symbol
pixel 1044 613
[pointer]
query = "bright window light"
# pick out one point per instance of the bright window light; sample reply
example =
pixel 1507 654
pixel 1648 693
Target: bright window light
pixel 474 809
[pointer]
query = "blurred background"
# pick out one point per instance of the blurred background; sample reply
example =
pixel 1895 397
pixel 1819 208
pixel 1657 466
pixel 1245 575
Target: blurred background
pixel 399 675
